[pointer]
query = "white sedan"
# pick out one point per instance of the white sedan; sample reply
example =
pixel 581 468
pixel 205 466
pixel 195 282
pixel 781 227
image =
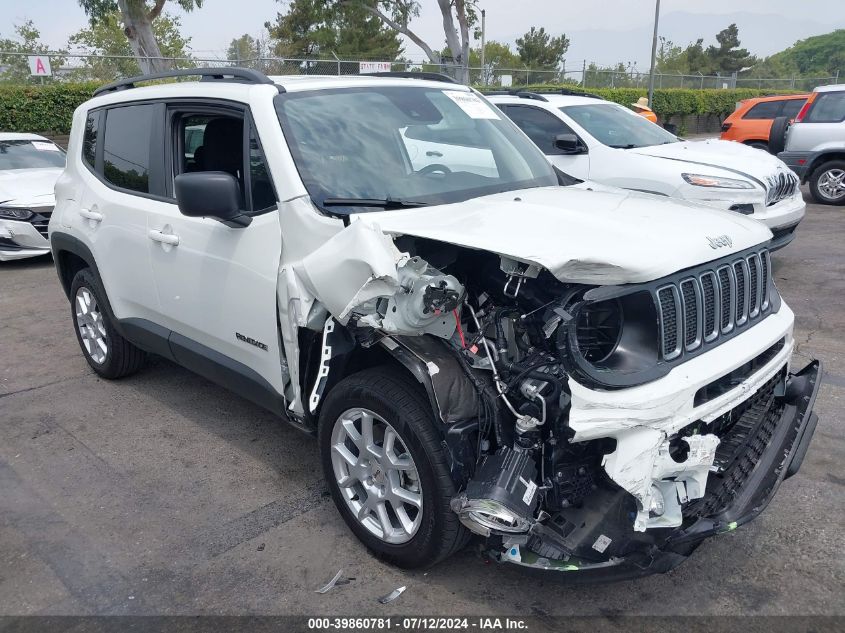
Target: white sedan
pixel 29 167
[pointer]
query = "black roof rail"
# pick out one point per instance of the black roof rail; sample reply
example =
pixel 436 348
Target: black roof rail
pixel 522 94
pixel 240 75
pixel 413 74
pixel 570 92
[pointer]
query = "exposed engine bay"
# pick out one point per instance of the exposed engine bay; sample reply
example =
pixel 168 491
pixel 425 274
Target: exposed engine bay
pixel 503 344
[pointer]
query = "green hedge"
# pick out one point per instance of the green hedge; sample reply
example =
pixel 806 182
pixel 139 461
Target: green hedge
pixel 676 101
pixel 46 109
pixel 49 108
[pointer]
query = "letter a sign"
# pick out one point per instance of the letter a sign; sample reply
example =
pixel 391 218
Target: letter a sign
pixel 39 66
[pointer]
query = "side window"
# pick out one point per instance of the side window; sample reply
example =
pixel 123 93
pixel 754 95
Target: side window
pixel 211 140
pixel 792 107
pixel 829 107
pixel 126 146
pixel 540 126
pixel 89 139
pixel 765 110
pixel 260 186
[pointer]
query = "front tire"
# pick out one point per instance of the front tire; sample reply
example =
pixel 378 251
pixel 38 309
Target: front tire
pixel 107 352
pixel 827 183
pixel 387 471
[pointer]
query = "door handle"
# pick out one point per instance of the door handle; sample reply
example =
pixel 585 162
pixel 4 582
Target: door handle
pixel 434 153
pixel 164 238
pixel 96 216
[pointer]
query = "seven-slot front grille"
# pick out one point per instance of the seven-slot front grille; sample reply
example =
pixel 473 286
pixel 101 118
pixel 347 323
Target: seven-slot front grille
pixel 709 304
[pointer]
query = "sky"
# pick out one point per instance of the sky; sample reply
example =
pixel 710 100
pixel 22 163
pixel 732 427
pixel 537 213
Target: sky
pixel 604 31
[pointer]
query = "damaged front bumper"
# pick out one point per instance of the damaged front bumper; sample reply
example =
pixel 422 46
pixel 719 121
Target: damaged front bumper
pixel 600 536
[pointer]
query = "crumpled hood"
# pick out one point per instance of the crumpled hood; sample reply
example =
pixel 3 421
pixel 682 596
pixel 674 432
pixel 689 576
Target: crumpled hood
pixel 28 186
pixel 580 236
pixel 729 155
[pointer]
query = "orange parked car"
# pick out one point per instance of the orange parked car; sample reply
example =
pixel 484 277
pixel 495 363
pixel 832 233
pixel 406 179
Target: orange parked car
pixel 751 121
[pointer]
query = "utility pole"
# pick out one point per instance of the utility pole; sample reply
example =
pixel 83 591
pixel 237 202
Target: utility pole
pixel 483 46
pixel 653 54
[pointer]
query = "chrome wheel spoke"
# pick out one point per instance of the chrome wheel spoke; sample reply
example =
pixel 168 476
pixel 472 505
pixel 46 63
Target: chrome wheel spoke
pixel 404 519
pixel 345 454
pixel 384 519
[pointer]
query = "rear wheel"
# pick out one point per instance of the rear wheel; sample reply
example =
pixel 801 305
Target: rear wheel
pixel 107 352
pixel 827 183
pixel 386 469
pixel 758 145
pixel 777 134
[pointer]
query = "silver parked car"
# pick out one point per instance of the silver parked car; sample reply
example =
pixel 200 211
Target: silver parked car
pixel 815 144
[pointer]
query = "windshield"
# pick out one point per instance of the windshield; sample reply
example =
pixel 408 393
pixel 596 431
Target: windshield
pixel 417 145
pixel 615 126
pixel 21 154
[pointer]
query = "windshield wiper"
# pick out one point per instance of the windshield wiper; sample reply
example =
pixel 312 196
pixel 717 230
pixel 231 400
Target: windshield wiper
pixel 381 203
pixel 628 146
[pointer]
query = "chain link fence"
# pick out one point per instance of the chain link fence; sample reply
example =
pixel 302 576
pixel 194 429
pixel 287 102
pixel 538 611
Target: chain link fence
pixel 91 67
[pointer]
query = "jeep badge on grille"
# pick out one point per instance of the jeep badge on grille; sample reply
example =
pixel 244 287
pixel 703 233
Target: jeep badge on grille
pixel 719 241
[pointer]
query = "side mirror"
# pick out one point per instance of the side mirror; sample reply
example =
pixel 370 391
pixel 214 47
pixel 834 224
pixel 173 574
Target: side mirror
pixel 211 194
pixel 569 144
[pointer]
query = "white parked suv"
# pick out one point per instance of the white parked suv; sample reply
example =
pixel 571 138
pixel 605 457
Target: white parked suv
pixel 589 381
pixel 29 167
pixel 593 139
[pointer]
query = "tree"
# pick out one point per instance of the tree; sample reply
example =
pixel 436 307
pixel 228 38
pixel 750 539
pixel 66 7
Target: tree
pixel 106 39
pixel 458 17
pixel 137 19
pixel 497 57
pixel 243 48
pixel 28 40
pixel 312 27
pixel 727 56
pixel 540 51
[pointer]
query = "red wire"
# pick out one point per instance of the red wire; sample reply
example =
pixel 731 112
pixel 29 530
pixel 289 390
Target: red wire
pixel 460 331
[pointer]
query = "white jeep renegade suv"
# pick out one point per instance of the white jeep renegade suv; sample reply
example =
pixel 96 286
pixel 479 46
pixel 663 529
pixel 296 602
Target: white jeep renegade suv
pixel 590 381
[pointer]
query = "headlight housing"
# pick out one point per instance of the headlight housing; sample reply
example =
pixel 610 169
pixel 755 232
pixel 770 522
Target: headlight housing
pixel 614 342
pixel 716 182
pixel 15 213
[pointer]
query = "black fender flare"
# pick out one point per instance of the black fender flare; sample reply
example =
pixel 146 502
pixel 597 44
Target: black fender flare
pixel 61 242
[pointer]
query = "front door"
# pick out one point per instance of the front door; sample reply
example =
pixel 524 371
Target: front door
pixel 543 127
pixel 217 284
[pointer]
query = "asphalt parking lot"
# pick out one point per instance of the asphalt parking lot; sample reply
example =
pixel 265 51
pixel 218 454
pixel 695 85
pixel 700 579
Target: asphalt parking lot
pixel 164 494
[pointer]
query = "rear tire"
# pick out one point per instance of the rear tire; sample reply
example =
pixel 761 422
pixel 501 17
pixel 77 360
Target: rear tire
pixel 394 405
pixel 107 352
pixel 758 145
pixel 777 135
pixel 827 183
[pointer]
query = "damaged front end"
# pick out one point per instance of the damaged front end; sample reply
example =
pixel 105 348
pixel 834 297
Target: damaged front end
pixel 599 429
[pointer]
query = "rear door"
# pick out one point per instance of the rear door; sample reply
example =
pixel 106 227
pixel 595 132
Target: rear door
pixel 121 165
pixel 217 284
pixel 543 127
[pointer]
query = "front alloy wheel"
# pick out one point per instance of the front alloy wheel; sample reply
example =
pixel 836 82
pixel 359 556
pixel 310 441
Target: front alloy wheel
pixel 389 474
pixel 377 475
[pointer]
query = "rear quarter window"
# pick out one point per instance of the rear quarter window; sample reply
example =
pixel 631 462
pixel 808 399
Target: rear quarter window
pixel 765 110
pixel 828 107
pixel 126 146
pixel 89 139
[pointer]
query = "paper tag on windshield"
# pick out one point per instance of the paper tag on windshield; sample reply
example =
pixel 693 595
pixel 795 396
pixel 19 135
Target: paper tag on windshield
pixel 471 104
pixel 44 146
